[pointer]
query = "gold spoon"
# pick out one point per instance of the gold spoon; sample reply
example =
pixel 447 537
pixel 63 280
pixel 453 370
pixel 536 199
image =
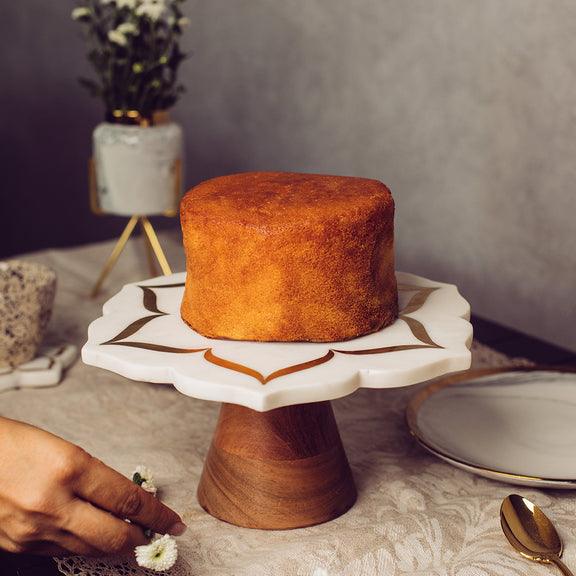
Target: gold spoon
pixel 530 531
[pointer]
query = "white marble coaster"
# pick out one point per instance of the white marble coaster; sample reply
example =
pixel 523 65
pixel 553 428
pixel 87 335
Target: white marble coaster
pixel 45 370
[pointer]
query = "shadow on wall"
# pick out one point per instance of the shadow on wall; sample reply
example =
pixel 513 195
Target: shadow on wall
pixel 46 131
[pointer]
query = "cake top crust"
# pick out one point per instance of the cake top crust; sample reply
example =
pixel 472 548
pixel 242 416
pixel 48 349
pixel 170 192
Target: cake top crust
pixel 268 198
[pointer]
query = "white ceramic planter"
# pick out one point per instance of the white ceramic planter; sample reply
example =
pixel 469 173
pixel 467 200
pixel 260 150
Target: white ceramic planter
pixel 137 169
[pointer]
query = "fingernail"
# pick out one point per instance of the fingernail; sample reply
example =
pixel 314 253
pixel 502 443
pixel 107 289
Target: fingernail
pixel 177 529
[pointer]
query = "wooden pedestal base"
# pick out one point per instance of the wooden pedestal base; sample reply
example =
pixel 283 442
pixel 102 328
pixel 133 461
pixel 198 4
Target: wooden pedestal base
pixel 285 468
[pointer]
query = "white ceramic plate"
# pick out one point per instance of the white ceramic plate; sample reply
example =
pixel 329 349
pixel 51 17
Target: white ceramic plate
pixel 516 426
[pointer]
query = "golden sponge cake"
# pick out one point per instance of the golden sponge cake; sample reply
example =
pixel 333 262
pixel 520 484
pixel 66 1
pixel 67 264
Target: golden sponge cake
pixel 286 257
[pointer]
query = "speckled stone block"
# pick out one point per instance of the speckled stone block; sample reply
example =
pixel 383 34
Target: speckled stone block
pixel 27 292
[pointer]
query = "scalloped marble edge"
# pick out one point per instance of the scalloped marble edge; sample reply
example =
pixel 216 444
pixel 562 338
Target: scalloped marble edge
pixel 206 383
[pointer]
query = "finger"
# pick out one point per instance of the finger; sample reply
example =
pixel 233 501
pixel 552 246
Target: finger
pixel 102 531
pixel 109 490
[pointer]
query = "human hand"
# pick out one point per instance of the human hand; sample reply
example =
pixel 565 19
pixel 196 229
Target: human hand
pixel 56 499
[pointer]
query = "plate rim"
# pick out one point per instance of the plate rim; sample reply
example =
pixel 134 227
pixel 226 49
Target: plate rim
pixel 415 403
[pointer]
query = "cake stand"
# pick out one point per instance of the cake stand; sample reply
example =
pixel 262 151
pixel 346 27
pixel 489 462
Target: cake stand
pixel 276 460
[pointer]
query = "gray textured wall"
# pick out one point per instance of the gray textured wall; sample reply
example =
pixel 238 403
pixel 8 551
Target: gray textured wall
pixel 467 109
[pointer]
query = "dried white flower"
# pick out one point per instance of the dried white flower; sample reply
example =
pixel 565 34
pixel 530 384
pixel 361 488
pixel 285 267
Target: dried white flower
pixel 183 21
pixel 80 12
pixel 128 28
pixel 117 38
pixel 159 555
pixel 143 476
pixel 153 9
pixel 149 487
pixel 126 4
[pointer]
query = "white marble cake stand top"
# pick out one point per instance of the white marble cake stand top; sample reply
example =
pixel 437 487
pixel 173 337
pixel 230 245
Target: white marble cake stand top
pixel 141 336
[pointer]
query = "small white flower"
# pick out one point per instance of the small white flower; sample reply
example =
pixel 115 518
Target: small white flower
pixel 153 9
pixel 127 28
pixel 117 37
pixel 144 472
pixel 149 487
pixel 131 4
pixel 107 1
pixel 80 12
pixel 143 476
pixel 183 21
pixel 159 555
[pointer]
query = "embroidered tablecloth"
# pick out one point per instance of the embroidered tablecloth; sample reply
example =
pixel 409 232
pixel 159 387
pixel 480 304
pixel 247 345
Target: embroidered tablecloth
pixel 414 514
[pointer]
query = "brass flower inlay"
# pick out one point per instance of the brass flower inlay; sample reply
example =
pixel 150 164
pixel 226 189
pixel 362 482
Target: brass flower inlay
pixel 150 303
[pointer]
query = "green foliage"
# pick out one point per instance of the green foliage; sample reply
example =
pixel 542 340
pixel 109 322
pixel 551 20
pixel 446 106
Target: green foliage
pixel 133 46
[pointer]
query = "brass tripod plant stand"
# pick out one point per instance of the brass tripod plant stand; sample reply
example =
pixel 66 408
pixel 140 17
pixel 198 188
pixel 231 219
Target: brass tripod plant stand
pixel 153 247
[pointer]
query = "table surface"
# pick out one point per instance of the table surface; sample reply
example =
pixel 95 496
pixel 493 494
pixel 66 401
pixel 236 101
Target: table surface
pixel 414 514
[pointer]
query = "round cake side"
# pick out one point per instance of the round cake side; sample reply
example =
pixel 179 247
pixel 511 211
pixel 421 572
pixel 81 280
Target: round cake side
pixel 289 257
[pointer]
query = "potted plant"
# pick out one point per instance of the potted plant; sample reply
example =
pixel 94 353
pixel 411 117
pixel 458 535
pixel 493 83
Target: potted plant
pixel 134 48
